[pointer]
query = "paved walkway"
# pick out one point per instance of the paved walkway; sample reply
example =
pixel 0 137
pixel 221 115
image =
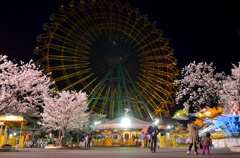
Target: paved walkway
pixel 113 152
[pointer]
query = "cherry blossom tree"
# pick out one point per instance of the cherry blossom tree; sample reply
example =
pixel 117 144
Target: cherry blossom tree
pixel 200 86
pixel 22 86
pixel 64 112
pixel 231 85
pixel 231 89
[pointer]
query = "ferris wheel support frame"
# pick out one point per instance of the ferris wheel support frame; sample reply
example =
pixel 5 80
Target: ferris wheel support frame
pixel 141 99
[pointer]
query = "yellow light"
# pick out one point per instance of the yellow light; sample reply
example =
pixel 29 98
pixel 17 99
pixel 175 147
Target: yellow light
pixel 11 117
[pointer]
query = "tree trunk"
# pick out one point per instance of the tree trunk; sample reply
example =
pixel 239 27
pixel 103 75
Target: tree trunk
pixel 62 139
pixel 59 135
pixel 78 137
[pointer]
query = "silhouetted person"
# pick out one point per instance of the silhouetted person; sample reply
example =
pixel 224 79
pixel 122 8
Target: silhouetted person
pixel 153 132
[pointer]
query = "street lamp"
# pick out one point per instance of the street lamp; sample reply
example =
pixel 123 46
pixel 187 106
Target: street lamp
pixel 97 122
pixel 156 121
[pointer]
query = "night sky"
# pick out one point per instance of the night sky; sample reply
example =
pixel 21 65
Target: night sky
pixel 198 30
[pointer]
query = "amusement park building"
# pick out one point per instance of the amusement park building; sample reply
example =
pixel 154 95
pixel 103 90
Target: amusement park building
pixel 117 132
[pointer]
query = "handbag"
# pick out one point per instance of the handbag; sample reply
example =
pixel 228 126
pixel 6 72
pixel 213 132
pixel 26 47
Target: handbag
pixel 200 145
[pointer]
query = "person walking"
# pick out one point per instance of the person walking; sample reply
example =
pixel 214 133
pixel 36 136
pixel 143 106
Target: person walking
pixel 153 132
pixel 142 139
pixel 193 136
pixel 206 142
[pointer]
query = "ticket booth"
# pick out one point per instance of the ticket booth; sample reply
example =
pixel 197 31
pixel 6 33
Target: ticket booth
pixel 11 131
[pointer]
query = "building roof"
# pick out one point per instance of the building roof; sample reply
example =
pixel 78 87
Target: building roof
pixel 117 124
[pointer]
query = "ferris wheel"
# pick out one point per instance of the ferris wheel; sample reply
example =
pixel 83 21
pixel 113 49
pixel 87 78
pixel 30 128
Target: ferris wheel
pixel 111 52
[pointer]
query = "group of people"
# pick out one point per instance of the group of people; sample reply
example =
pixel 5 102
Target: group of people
pixel 87 140
pixel 195 140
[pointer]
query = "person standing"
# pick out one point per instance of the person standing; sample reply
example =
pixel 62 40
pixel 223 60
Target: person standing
pixel 142 139
pixel 193 136
pixel 146 139
pixel 34 141
pixel 17 141
pixel 136 139
pixel 206 142
pixel 133 139
pixel 89 141
pixel 86 140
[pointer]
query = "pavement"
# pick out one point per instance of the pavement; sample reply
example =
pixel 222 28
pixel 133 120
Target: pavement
pixel 114 152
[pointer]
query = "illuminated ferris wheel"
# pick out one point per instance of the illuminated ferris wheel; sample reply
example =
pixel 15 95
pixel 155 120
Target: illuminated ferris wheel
pixel 111 52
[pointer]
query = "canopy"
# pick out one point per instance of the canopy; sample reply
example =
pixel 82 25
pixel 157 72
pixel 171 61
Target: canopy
pixel 117 124
pixel 12 120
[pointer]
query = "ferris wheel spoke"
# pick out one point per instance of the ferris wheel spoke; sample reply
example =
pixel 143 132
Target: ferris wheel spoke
pixel 96 89
pixel 149 90
pixel 75 74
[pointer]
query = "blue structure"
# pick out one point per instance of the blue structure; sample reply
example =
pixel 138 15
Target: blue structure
pixel 227 124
